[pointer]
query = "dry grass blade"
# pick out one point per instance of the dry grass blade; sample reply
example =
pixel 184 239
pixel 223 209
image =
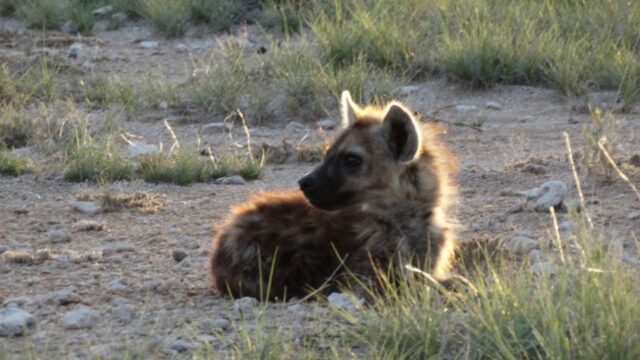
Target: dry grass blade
pixel 624 177
pixel 557 233
pixel 577 179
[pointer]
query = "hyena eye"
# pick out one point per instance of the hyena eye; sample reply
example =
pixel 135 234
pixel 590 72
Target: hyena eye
pixel 351 160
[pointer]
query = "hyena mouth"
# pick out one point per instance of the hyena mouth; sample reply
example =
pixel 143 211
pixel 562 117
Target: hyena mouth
pixel 330 202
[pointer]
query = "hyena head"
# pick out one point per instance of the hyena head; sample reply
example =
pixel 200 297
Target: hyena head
pixel 369 158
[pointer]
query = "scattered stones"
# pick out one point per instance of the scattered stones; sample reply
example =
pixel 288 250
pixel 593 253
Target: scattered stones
pixel 543 268
pixel 86 207
pixel 149 44
pixel 81 317
pixel 15 322
pixel 327 124
pixel 245 304
pixel 59 236
pixel 76 51
pixel 214 324
pixel 178 255
pixel 634 215
pixel 492 105
pixel 549 194
pixel 296 127
pixel 89 225
pixel 231 180
pixel 520 245
pixel 345 302
pixel 534 169
pixel 137 148
pixel 101 11
pixel 465 108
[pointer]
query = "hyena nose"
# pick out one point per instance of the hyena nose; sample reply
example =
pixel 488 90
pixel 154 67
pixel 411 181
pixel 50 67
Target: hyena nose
pixel 306 183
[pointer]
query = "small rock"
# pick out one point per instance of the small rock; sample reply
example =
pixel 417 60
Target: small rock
pixel 543 268
pixel 535 256
pixel 100 26
pixel 151 285
pixel 81 317
pixel 86 207
pixel 124 312
pixel 87 65
pixel 465 108
pixel 299 309
pixel 59 297
pixel 231 180
pixel 214 324
pixel 296 127
pixel 635 160
pixel 343 301
pixel 58 236
pixel 549 194
pixel 218 126
pixel 182 48
pixel 76 51
pixel 180 346
pixel 3 249
pixel 149 44
pixel 119 284
pixel 163 105
pixel 103 10
pixel 520 245
pixel 137 148
pixel 69 27
pixel 245 304
pixel 634 215
pixel 327 124
pixel 407 90
pixel 119 17
pixel 492 105
pixel 178 255
pixel 118 247
pixel 534 169
pixel 567 226
pixel 15 322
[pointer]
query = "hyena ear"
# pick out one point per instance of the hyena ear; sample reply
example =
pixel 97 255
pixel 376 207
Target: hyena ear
pixel 401 133
pixel 347 110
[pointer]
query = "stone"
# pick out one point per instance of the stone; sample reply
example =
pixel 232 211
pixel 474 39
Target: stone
pixel 327 124
pixel 81 317
pixel 535 256
pixel 465 108
pixel 407 90
pixel 149 44
pixel 3 249
pixel 58 236
pixel 180 346
pixel 124 312
pixel 217 126
pixel 119 17
pixel 76 51
pixel 634 215
pixel 345 302
pixel 181 48
pixel 117 285
pixel 295 127
pixel 520 245
pixel 118 247
pixel 245 304
pixel 86 207
pixel 137 148
pixel 299 309
pixel 59 297
pixel 492 105
pixel 534 169
pixel 214 324
pixel 231 180
pixel 100 26
pixel 69 27
pixel 178 255
pixel 549 194
pixel 543 268
pixel 16 322
pixel 101 11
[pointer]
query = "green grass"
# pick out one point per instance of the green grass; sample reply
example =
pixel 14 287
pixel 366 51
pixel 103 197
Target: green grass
pixel 98 164
pixel 12 164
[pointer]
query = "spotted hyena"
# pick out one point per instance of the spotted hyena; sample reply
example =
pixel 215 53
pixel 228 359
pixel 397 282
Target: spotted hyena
pixel 378 201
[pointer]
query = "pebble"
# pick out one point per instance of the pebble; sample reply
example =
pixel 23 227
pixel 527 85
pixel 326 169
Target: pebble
pixel 296 127
pixel 492 105
pixel 124 312
pixel 58 236
pixel 245 304
pixel 535 256
pixel 327 124
pixel 299 309
pixel 216 126
pixel 76 51
pixel 100 26
pixel 86 207
pixel 214 324
pixel 231 180
pixel 15 322
pixel 465 108
pixel 180 346
pixel 543 268
pixel 535 169
pixel 149 44
pixel 118 247
pixel 81 317
pixel 182 48
pixel 3 249
pixel 343 301
pixel 119 17
pixel 178 255
pixel 520 245
pixel 69 27
pixel 549 194
pixel 59 297
pixel 119 284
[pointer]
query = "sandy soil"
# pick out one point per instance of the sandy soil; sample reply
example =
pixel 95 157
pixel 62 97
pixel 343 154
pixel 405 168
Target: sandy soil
pixel 145 298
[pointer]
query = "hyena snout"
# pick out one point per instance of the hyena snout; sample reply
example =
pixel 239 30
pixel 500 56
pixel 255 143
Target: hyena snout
pixel 324 191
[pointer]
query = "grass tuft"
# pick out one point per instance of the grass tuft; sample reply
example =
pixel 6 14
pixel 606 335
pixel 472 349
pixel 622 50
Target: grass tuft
pixel 98 164
pixel 13 164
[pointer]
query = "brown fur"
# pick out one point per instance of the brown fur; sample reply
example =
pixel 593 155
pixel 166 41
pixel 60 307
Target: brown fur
pixel 383 214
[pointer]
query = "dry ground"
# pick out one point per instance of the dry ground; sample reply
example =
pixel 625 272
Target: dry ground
pixel 162 301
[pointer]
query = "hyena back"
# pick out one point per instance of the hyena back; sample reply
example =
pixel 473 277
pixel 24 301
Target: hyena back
pixel 378 201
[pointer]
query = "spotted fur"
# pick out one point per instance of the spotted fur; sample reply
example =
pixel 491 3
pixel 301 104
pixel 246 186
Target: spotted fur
pixel 379 200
